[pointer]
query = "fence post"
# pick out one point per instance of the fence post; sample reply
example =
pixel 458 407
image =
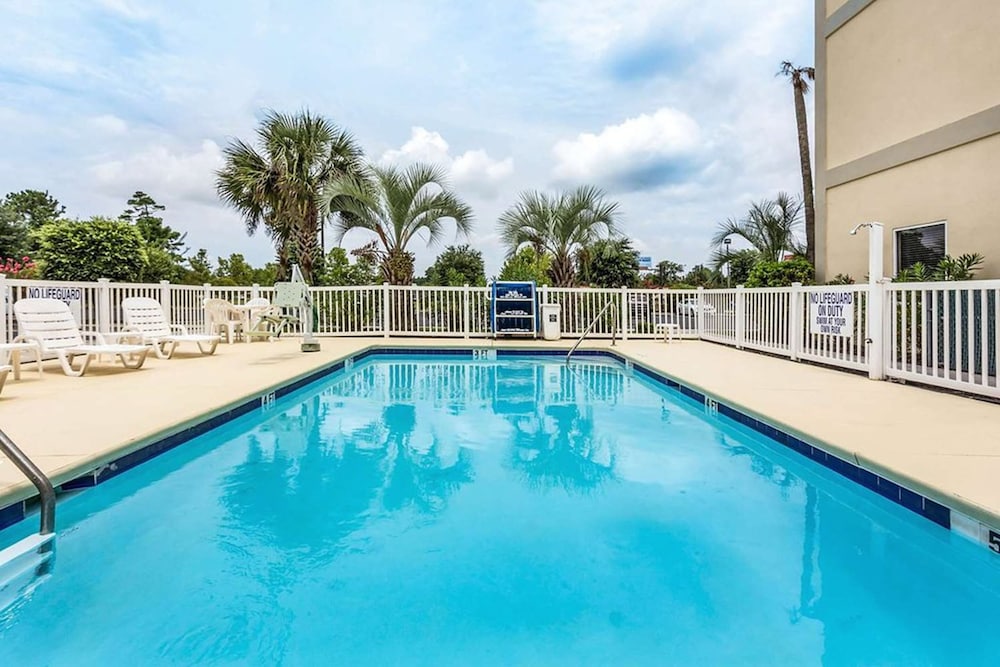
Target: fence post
pixel 4 301
pixel 385 310
pixel 255 291
pixel 795 321
pixel 741 316
pixel 103 305
pixel 877 322
pixel 624 313
pixel 876 303
pixel 165 299
pixel 465 311
pixel 206 294
pixel 700 316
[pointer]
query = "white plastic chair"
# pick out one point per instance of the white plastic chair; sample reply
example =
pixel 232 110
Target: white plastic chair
pixel 145 316
pixel 223 317
pixel 50 324
pixel 4 371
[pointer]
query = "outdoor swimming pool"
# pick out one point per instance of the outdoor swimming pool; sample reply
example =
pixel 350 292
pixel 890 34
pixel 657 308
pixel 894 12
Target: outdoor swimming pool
pixel 435 510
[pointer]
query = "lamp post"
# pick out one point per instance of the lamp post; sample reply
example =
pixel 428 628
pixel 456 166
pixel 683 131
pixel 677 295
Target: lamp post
pixel 729 269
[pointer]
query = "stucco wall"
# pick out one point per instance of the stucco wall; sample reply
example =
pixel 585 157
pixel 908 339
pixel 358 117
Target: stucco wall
pixel 961 185
pixel 894 73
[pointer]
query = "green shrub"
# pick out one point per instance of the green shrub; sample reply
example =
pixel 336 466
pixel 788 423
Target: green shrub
pixel 781 274
pixel 90 249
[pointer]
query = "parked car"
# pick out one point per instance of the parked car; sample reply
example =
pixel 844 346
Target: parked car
pixel 689 307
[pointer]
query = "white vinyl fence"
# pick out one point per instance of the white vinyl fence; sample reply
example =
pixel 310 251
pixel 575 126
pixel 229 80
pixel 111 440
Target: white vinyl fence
pixel 941 333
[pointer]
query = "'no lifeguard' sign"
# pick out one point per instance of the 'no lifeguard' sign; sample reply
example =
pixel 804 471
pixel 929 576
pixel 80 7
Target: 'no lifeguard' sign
pixel 831 313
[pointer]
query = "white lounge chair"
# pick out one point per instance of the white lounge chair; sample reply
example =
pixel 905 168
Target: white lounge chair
pixel 4 370
pixel 222 317
pixel 145 316
pixel 50 324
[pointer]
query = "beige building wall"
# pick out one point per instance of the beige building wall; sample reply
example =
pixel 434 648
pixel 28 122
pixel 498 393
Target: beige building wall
pixel 961 186
pixel 907 125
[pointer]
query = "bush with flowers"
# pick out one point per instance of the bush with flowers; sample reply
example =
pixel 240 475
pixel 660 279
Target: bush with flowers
pixel 22 268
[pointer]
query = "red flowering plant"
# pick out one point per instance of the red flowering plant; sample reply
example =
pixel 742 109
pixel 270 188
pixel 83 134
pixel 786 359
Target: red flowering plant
pixel 22 268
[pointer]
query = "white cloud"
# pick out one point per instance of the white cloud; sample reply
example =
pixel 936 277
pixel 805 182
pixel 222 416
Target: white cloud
pixel 475 165
pixel 175 78
pixel 636 148
pixel 474 170
pixel 109 124
pixel 422 146
pixel 172 175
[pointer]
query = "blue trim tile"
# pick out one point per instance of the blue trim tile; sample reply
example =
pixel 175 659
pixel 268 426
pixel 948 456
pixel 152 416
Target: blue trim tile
pixel 868 479
pixel 362 355
pixel 819 455
pixel 727 411
pixel 888 489
pixel 911 501
pixel 937 513
pixel 845 468
pixel 799 446
pixel 11 514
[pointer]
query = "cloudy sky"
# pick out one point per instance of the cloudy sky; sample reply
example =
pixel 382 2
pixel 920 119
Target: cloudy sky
pixel 671 106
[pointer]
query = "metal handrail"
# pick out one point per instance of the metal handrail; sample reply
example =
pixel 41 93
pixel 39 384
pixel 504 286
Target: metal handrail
pixel 46 492
pixel 593 323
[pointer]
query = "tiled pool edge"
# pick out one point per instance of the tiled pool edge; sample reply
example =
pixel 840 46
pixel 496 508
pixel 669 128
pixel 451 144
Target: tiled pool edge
pixel 944 515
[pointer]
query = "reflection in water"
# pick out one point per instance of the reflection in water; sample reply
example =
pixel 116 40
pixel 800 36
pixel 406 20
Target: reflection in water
pixel 418 477
pixel 462 513
pixel 558 449
pixel 386 439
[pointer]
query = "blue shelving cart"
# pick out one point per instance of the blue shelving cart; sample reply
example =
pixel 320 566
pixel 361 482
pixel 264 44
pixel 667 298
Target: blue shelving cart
pixel 514 309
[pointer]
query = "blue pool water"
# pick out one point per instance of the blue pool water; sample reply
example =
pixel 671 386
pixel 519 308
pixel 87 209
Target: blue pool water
pixel 438 511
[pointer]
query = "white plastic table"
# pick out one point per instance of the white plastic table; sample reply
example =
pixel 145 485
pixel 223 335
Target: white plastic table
pixel 670 330
pixel 12 355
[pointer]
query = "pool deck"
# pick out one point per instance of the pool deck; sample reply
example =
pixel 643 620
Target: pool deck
pixel 943 446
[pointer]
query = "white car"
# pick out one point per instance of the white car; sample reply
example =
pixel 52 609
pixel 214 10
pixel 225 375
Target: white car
pixel 690 307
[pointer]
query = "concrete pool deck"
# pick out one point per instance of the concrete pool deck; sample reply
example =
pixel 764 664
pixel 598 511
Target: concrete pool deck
pixel 943 446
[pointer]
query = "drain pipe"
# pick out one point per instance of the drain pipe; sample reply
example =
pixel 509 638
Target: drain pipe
pixel 46 493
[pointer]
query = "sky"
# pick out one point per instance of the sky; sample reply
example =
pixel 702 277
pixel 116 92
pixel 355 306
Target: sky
pixel 671 106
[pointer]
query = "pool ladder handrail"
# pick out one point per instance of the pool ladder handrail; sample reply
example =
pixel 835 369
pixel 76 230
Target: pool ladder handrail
pixel 46 492
pixel 590 327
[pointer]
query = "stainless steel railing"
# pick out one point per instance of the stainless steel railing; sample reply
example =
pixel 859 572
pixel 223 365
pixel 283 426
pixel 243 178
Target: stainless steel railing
pixel 590 327
pixel 46 493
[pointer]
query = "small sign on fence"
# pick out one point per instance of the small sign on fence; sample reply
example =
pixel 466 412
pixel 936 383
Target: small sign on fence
pixel 831 312
pixel 71 296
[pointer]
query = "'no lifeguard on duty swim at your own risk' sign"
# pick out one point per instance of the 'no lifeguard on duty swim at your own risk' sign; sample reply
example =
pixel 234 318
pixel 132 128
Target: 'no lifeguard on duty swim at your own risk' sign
pixel 831 313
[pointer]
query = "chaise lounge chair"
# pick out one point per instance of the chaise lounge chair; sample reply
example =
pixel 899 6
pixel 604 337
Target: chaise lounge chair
pixel 145 317
pixel 4 370
pixel 269 324
pixel 50 324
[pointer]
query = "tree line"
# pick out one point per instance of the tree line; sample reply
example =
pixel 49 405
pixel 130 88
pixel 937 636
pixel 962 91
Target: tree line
pixel 302 174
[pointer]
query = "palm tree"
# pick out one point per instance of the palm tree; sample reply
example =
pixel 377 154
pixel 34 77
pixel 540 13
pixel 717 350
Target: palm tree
pixel 396 205
pixel 560 225
pixel 770 226
pixel 276 184
pixel 801 76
